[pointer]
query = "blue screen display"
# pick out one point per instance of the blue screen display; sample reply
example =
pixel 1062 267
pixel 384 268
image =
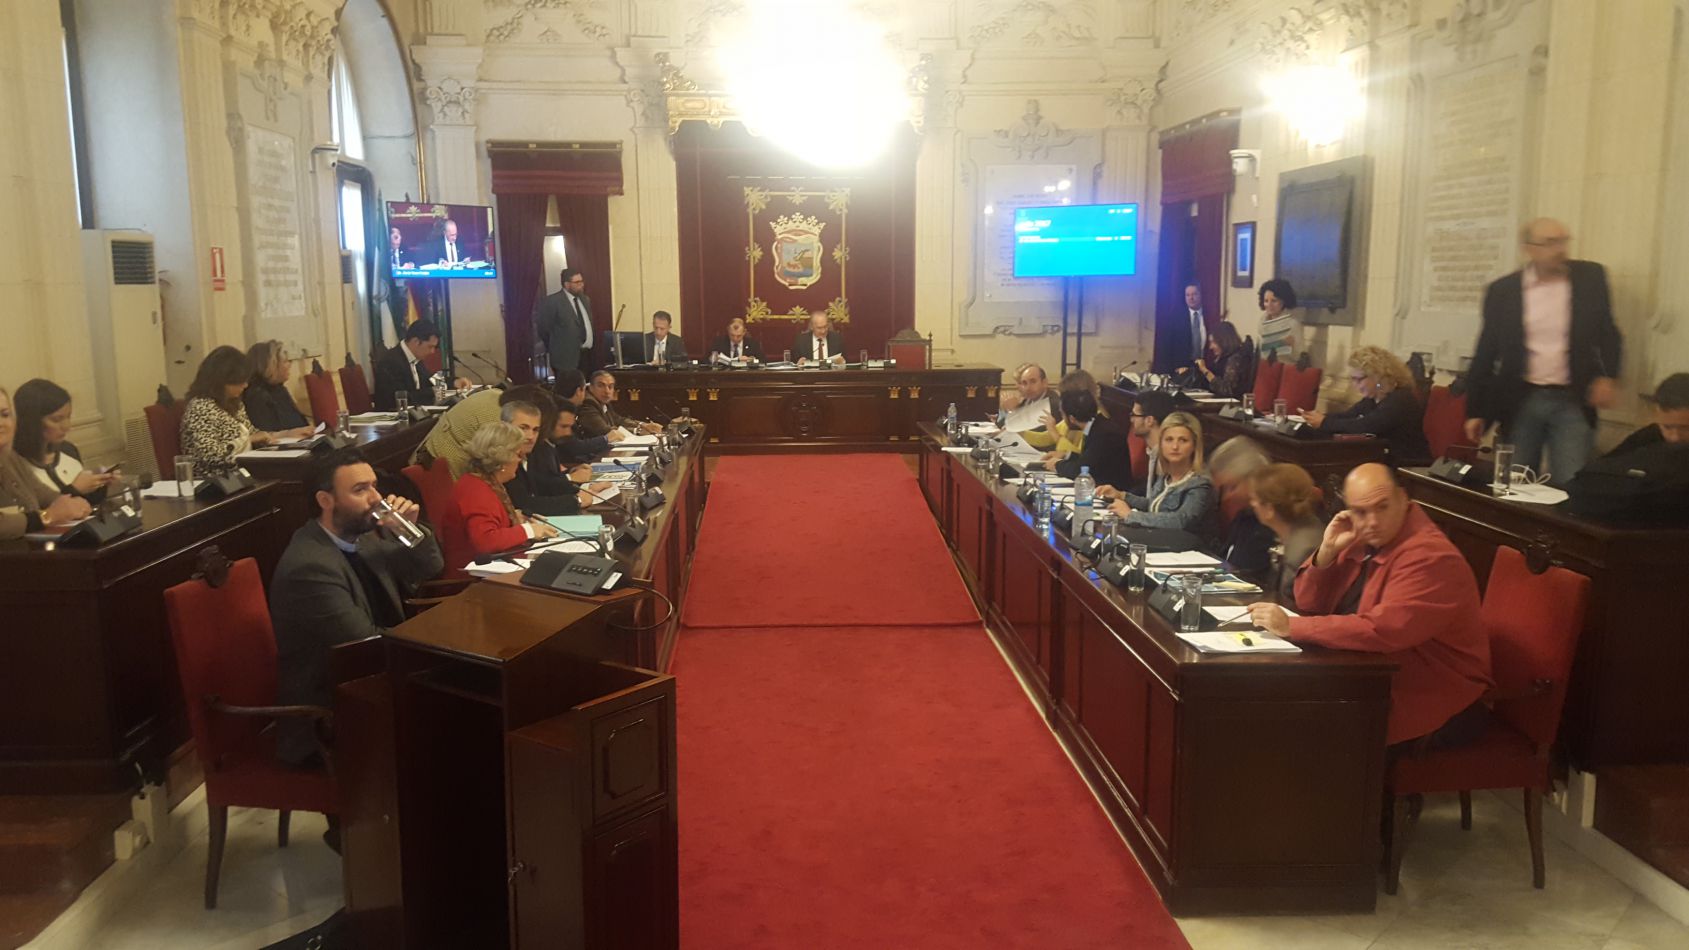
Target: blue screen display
pixel 1076 241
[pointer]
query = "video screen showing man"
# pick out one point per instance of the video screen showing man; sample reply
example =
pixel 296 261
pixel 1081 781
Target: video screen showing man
pixel 440 241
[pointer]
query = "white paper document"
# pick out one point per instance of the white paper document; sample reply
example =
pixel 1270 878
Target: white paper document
pixel 1181 559
pixel 273 454
pixel 163 489
pixel 1225 641
pixel 638 440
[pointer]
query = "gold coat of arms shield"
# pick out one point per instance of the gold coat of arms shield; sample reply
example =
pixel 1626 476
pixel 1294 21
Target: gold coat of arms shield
pixel 796 250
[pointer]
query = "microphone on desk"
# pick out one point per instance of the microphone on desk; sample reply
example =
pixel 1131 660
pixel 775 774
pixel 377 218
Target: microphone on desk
pixel 616 334
pixel 498 371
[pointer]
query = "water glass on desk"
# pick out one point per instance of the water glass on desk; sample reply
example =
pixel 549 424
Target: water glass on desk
pixel 1137 561
pixel 1190 617
pixel 863 358
pixel 1281 411
pixel 402 402
pixel 342 422
pixel 1249 402
pixel 786 356
pixel 184 476
pixel 606 538
pixel 1502 484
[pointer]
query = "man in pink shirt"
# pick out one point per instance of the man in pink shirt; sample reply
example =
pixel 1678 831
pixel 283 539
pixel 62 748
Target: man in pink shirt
pixel 1386 580
pixel 1547 355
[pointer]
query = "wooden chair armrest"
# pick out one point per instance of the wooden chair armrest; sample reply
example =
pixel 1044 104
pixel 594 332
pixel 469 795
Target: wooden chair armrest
pixel 271 712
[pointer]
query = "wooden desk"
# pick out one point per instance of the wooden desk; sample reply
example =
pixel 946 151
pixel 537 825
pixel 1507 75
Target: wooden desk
pixel 1328 460
pixel 646 636
pixel 1245 785
pixel 499 790
pixel 88 681
pixel 388 449
pixel 810 410
pixel 1625 705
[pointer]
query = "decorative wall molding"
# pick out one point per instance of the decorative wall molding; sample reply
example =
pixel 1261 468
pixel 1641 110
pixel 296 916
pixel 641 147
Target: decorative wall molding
pixel 582 13
pixel 1287 39
pixel 1033 136
pixel 451 100
pixel 1038 23
pixel 1472 24
pixel 670 76
pixel 709 14
pixel 1134 99
pixel 269 79
pixel 1194 14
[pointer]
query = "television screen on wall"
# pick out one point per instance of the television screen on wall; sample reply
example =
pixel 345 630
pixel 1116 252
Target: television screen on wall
pixel 436 241
pixel 1314 228
pixel 1076 241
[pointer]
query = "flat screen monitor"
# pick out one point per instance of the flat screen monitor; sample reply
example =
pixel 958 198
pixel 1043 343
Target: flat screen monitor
pixel 1076 241
pixel 431 241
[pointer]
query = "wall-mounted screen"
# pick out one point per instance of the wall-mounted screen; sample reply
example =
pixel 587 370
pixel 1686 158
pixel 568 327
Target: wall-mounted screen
pixel 1076 241
pixel 429 241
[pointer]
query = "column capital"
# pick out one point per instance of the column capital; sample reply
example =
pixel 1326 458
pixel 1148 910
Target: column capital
pixel 449 69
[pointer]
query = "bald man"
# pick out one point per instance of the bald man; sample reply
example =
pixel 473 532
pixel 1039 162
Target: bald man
pixel 1386 580
pixel 1547 356
pixel 1036 406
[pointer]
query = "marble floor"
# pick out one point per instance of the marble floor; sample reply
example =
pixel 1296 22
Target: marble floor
pixel 1467 890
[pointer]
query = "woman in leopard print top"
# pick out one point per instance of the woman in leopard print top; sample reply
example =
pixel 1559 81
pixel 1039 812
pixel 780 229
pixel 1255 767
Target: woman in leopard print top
pixel 215 428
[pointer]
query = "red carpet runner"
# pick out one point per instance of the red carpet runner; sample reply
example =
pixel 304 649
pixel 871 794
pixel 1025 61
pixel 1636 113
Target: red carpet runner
pixel 881 783
pixel 840 540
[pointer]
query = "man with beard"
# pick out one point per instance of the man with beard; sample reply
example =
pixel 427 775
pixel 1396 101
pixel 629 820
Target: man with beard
pixel 339 580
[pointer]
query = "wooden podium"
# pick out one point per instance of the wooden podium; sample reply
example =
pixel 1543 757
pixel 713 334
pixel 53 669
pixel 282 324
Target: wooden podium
pixel 499 788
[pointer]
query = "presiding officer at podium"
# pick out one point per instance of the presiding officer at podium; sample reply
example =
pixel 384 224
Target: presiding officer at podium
pixel 820 342
pixel 339 580
pixel 736 345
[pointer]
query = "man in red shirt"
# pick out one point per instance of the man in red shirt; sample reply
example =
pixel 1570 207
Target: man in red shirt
pixel 1386 580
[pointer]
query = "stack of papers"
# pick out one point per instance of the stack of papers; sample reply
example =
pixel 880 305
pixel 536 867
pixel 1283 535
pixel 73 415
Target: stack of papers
pixel 163 489
pixel 1054 481
pixel 633 439
pixel 372 418
pixel 1233 640
pixel 259 456
pixel 1181 559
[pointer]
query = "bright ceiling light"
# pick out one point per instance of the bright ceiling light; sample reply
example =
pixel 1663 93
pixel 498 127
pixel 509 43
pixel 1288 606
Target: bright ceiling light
pixel 1318 101
pixel 816 79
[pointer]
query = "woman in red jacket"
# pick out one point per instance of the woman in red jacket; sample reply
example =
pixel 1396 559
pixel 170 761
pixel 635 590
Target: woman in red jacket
pixel 480 519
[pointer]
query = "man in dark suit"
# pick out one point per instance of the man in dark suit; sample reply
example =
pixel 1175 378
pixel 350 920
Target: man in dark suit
pixel 598 414
pixel 339 580
pixel 448 249
pixel 536 490
pixel 819 342
pixel 564 323
pixel 402 370
pixel 575 447
pixel 736 345
pixel 1548 355
pixel 662 346
pixel 1105 450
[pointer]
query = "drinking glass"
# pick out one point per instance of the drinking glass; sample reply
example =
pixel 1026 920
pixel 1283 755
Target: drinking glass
pixel 1503 481
pixel 184 476
pixel 401 528
pixel 630 498
pixel 606 538
pixel 863 358
pixel 1137 559
pixel 440 393
pixel 342 422
pixel 1249 402
pixel 1281 410
pixel 1190 618
pixel 786 355
pixel 402 402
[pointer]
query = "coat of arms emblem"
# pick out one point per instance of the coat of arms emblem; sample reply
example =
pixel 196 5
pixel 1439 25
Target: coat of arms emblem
pixel 797 250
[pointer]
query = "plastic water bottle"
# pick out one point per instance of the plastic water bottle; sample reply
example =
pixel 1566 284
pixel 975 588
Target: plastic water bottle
pixel 1084 491
pixel 950 419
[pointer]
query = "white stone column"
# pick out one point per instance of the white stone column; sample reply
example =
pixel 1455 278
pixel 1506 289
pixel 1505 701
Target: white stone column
pixel 1123 316
pixel 942 268
pixel 646 263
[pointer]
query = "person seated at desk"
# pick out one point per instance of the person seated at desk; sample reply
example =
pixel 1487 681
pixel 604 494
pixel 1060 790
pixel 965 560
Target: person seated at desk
pixel 1054 434
pixel 215 427
pixel 268 403
pixel 575 448
pixel 534 489
pixel 481 519
pixel 1226 371
pixel 1671 417
pixel 1149 410
pixel 662 346
pixel 456 426
pixel 339 580
pixel 735 345
pixel 547 456
pixel 1283 498
pixel 598 416
pixel 43 412
pixel 1385 580
pixel 1105 451
pixel 1033 407
pixel 402 369
pixel 820 343
pixel 26 504
pixel 1388 408
pixel 1180 496
pixel 1242 542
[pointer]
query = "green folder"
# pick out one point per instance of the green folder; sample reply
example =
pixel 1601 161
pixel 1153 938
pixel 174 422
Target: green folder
pixel 579 526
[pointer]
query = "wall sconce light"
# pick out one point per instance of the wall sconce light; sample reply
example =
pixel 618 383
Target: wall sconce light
pixel 1318 101
pixel 1246 161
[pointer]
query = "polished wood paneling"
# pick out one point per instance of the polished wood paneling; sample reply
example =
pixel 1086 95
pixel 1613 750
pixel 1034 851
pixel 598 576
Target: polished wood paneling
pixel 1182 746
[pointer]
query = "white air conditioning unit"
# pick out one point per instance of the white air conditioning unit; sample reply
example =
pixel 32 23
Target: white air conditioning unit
pixel 127 324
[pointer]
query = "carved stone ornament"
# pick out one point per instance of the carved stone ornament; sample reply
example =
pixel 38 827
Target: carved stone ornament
pixel 1038 23
pixel 510 28
pixel 711 13
pixel 1194 14
pixel 1033 136
pixel 452 101
pixel 1133 101
pixel 1471 25
pixel 270 81
pixel 1289 38
pixel 670 77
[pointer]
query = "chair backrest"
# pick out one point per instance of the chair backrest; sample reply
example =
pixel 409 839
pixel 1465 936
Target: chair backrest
pixel 435 483
pixel 1139 449
pixel 1445 421
pixel 325 405
pixel 225 647
pixel 164 425
pixel 1300 388
pixel 1533 621
pixel 1233 501
pixel 912 355
pixel 356 387
pixel 1268 375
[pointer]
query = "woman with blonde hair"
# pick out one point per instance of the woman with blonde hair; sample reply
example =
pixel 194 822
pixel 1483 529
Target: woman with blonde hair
pixel 1284 499
pixel 1180 496
pixel 480 519
pixel 1389 408
pixel 26 503
pixel 268 403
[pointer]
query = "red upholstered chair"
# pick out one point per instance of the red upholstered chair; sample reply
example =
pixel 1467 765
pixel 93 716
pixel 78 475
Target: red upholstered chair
pixel 325 404
pixel 226 656
pixel 1300 389
pixel 356 387
pixel 434 361
pixel 1140 458
pixel 1445 425
pixel 1268 376
pixel 909 354
pixel 1533 622
pixel 164 425
pixel 1232 503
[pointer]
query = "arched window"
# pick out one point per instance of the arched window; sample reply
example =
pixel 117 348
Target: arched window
pixel 343 113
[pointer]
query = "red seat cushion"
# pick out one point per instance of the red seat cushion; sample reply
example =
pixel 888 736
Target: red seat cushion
pixel 1445 422
pixel 1501 758
pixel 1267 379
pixel 1300 388
pixel 325 405
pixel 164 425
pixel 356 388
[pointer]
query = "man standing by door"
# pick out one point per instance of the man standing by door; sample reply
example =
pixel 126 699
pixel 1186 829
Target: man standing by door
pixel 564 323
